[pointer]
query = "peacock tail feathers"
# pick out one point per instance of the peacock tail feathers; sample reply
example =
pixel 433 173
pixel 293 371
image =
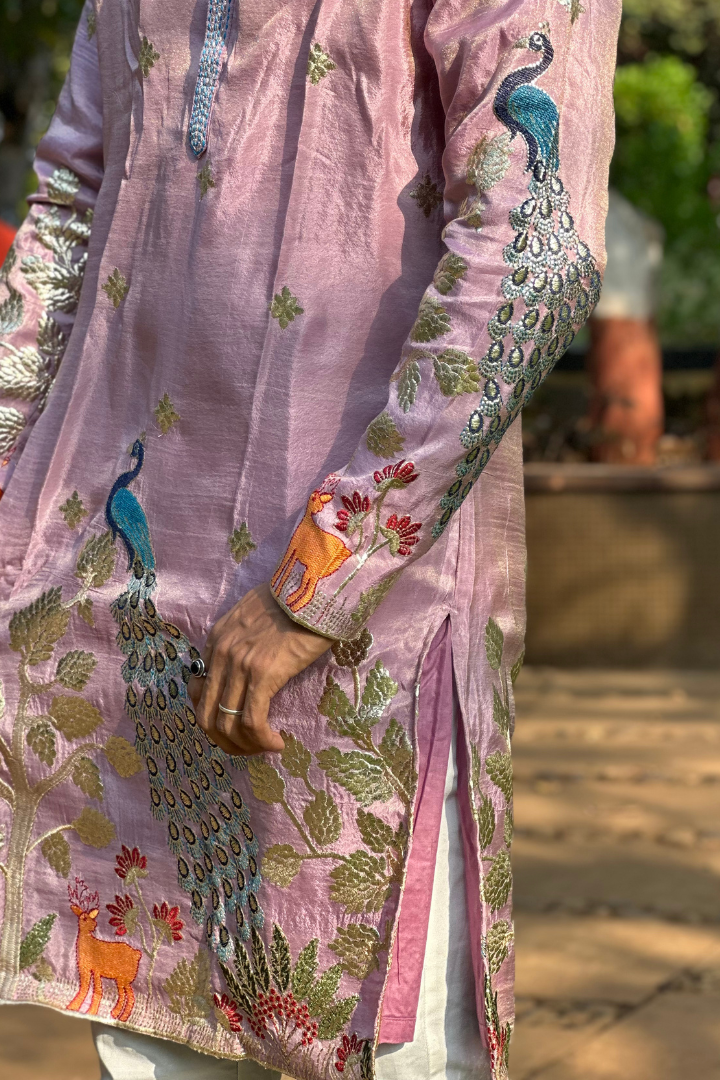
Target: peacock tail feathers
pixel 191 788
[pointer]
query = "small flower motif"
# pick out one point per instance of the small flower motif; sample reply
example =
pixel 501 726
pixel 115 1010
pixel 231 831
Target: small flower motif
pixel 355 510
pixel 91 23
pixel 116 287
pixel 401 533
pixel 171 924
pixel 427 195
pixel 205 179
pixel 165 414
pixel 73 510
pixel 351 652
pixel 227 1013
pixel 348 1052
pixel 131 865
pixel 395 476
pixel 147 57
pixel 123 915
pixel 319 64
pixel 241 543
pixel 285 307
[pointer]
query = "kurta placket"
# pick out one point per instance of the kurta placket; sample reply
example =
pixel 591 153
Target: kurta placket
pixel 298 354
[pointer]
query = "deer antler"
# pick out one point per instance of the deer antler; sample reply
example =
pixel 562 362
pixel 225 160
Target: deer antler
pixel 329 484
pixel 81 896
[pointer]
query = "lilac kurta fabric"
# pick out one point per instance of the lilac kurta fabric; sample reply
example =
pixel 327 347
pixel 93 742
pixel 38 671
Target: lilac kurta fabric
pixel 279 366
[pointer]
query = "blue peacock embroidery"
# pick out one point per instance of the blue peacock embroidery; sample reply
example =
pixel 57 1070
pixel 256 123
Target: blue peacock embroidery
pixel 218 22
pixel 553 284
pixel 191 789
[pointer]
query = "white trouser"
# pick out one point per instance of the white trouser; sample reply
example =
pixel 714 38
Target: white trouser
pixel 447 1043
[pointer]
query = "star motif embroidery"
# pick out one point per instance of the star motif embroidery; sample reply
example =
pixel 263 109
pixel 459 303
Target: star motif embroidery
pixel 285 307
pixel 319 64
pixel 427 196
pixel 241 543
pixel 147 57
pixel 165 414
pixel 205 179
pixel 73 510
pixel 116 287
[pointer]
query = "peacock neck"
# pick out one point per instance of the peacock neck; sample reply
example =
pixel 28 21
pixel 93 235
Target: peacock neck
pixel 127 478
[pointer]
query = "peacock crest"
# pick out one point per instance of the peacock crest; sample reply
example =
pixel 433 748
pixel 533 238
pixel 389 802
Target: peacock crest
pixel 553 283
pixel 191 788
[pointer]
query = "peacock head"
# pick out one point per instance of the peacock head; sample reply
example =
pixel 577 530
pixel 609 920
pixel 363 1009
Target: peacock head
pixel 537 41
pixel 137 449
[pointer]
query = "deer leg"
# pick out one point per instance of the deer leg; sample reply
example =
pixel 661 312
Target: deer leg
pixel 119 1005
pixel 284 570
pixel 129 1003
pixel 97 993
pixel 77 1001
pixel 304 592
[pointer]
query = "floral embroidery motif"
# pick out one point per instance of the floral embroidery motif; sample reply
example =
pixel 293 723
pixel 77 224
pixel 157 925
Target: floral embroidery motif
pixel 349 1052
pixel 48 721
pixel 165 414
pixel 319 64
pixel 147 57
pixel 98 959
pixel 288 1005
pixel 205 179
pixel 241 543
pixel 191 786
pixel 401 534
pixel 285 307
pixel 383 438
pixel 427 195
pixel 227 1013
pixel 73 510
pixel 216 30
pixel 355 509
pixel 116 287
pixel 552 274
pixel 91 23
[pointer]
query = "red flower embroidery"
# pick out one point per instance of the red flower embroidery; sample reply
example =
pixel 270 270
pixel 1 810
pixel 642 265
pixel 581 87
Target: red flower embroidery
pixel 131 865
pixel 169 915
pixel 119 915
pixel 227 1012
pixel 285 1014
pixel 349 1052
pixel 354 512
pixel 401 532
pixel 396 476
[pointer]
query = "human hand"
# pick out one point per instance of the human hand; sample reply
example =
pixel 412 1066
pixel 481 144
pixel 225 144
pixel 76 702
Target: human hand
pixel 250 653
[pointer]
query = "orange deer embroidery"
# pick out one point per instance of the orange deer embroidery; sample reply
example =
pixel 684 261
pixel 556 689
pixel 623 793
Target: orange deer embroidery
pixel 320 552
pixel 98 959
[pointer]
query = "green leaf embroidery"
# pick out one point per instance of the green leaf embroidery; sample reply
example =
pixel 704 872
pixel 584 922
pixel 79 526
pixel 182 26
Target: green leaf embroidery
pixel 123 757
pixel 396 750
pixel 35 630
pixel 205 179
pixel 379 691
pixel 241 543
pixel 323 820
pixel 35 941
pixel 489 161
pixel 319 64
pixel 371 598
pixel 12 422
pixel 281 863
pixel 323 991
pixel 357 946
pixel 285 307
pixel 165 414
pixel 75 668
pixel 116 287
pixel 267 784
pixel 147 57
pixel 497 945
pixel 408 380
pixel 432 322
pixel 188 989
pixel 486 822
pixel 499 768
pixel 93 828
pixel 375 832
pixel 497 883
pixel 501 714
pixel 341 714
pixel 337 1017
pixel 295 758
pixel 56 852
pixel 73 510
pixel 41 740
pixel 450 270
pixel 360 884
pixel 96 562
pixel 86 776
pixel 383 438
pixel 494 641
pixel 456 373
pixel 303 975
pixel 74 717
pixel 260 963
pixel 280 960
pixel 517 668
pixel 351 652
pixel 508 826
pixel 361 774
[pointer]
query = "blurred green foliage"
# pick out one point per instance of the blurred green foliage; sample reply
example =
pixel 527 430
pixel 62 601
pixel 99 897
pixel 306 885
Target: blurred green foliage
pixel 667 160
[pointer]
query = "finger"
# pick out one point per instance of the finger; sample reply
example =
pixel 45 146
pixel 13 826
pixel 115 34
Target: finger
pixel 195 685
pixel 256 728
pixel 212 689
pixel 233 697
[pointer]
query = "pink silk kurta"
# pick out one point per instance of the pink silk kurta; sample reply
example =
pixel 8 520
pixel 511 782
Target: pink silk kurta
pixel 294 269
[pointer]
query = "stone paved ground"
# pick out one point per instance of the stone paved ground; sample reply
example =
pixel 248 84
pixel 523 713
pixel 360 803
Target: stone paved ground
pixel 617 866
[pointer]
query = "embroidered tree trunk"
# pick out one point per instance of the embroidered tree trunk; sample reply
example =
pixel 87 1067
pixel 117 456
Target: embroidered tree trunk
pixel 44 725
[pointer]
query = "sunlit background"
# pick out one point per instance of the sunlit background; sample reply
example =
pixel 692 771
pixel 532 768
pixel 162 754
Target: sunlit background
pixel 617 749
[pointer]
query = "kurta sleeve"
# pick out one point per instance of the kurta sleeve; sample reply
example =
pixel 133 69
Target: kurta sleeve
pixel 527 92
pixel 41 278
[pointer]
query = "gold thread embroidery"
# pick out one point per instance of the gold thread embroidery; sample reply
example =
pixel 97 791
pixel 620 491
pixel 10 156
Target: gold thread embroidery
pixel 285 307
pixel 147 57
pixel 427 195
pixel 241 543
pixel 116 287
pixel 319 64
pixel 73 510
pixel 205 179
pixel 165 414
pixel 383 438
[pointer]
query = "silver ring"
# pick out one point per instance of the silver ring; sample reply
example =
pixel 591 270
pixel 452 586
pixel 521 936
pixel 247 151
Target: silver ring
pixel 198 669
pixel 231 712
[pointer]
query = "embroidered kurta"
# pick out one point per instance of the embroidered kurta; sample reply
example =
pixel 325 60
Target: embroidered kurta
pixel 291 272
